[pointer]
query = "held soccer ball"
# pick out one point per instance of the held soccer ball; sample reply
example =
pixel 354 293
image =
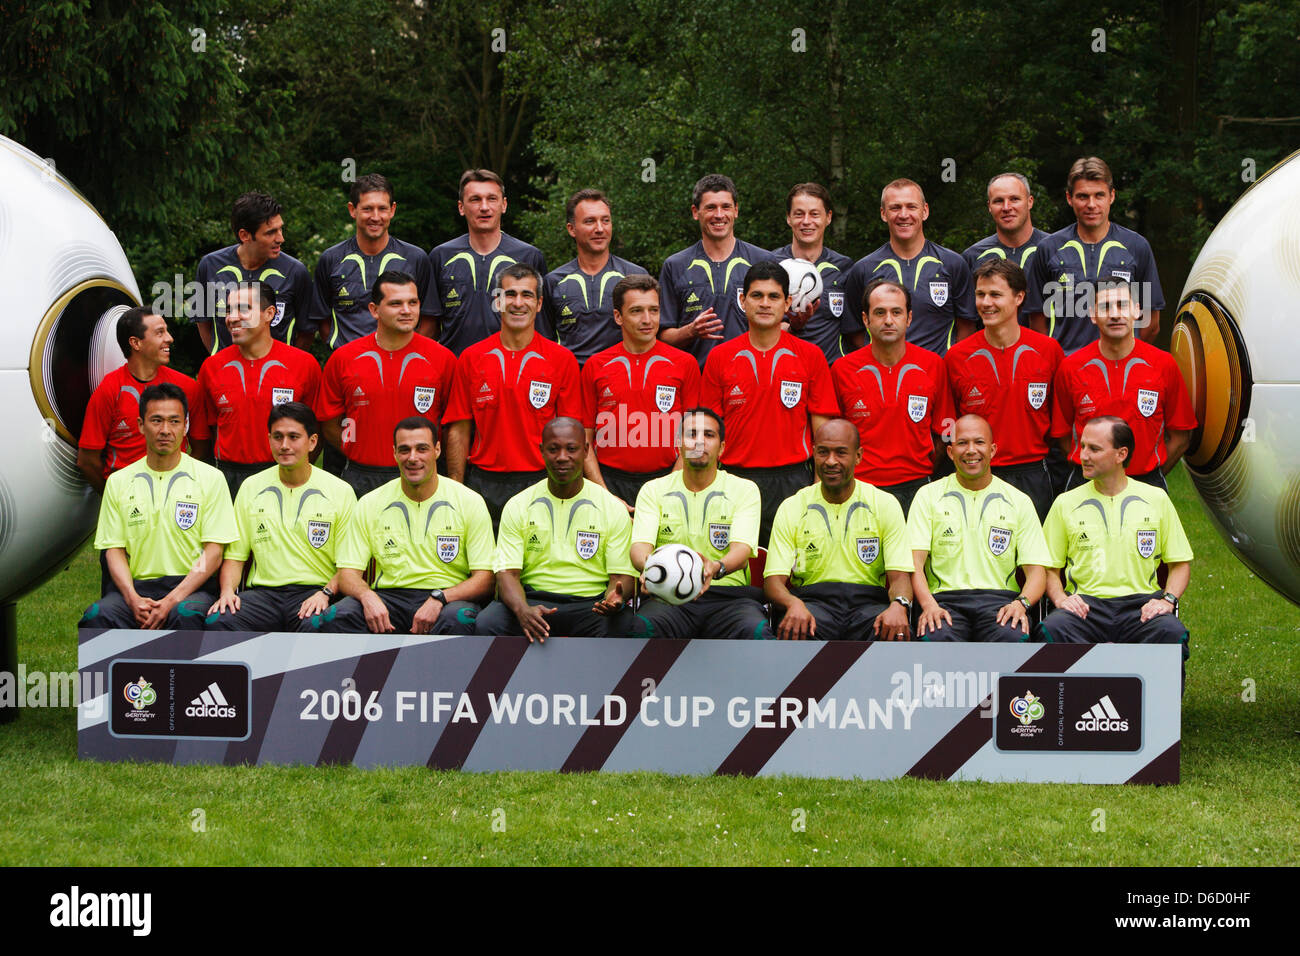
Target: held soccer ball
pixel 805 283
pixel 674 574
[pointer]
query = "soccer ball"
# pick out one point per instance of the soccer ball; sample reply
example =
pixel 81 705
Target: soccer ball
pixel 805 283
pixel 674 574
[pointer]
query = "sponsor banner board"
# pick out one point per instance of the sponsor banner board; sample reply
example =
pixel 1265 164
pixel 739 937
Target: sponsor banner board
pixel 1044 713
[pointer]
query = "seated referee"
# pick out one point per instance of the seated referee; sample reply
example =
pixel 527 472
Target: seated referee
pixel 290 518
pixel 431 541
pixel 1106 539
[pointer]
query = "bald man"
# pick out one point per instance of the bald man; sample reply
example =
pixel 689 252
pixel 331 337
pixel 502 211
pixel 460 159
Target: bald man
pixel 969 533
pixel 838 567
pixel 562 561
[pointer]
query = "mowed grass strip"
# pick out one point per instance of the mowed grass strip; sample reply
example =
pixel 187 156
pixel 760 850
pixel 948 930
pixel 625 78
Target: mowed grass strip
pixel 1236 805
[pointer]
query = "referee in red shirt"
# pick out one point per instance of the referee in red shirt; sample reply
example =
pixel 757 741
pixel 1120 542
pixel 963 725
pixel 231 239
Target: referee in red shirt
pixel 1004 374
pixel 773 391
pixel 110 436
pixel 896 393
pixel 506 388
pixel 634 394
pixel 239 384
pixel 1123 376
pixel 372 383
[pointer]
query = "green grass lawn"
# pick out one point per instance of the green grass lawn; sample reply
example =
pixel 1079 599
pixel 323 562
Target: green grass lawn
pixel 1236 806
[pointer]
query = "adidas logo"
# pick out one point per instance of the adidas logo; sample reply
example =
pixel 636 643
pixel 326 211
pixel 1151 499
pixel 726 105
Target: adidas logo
pixel 1083 536
pixel 811 547
pixel 973 393
pixel 357 391
pixel 532 539
pixel 390 543
pixel 223 400
pixel 135 512
pixel 607 393
pixel 486 388
pixel 692 298
pixel 261 528
pixel 1102 717
pixel 343 290
pixel 735 390
pixel 210 703
pixel 859 404
pixel 665 532
pixel 1086 400
pixel 948 532
pixel 566 311
pixel 453 294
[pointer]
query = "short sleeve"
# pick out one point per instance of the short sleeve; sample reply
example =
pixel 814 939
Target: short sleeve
pixel 645 523
pixel 1031 546
pixel 749 512
pixel 781 551
pixel 219 515
pixel 202 417
pixel 458 402
pixel 510 538
pixel 711 383
pixel 1054 536
pixel 1176 546
pixel 893 534
pixel 669 307
pixel 329 400
pixel 241 547
pixel 354 545
pixel 111 529
pixel 918 522
pixel 478 534
pixel 618 551
pixel 303 292
pixel 822 400
pixel 569 404
pixel 963 290
pixel 587 380
pixel 98 421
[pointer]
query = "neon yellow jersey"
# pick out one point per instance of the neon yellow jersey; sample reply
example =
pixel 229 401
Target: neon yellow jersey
pixel 1112 546
pixel 163 518
pixel 667 512
pixel 419 544
pixel 292 533
pixel 565 545
pixel 854 542
pixel 976 539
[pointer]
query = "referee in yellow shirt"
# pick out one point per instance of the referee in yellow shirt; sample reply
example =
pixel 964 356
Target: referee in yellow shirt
pixel 290 519
pixel 1106 539
pixel 431 540
pixel 838 567
pixel 562 550
pixel 969 532
pixel 162 525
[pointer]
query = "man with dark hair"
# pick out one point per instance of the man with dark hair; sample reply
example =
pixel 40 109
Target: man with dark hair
pixel 1004 372
pixel 345 273
pixel 773 390
pixel 1118 374
pixel 808 213
pixel 1106 539
pixel 578 308
pixel 838 566
pixel 1070 260
pixel 162 526
pixel 255 257
pixel 714 513
pixel 896 393
pixel 466 270
pixel 1015 238
pixel 633 395
pixel 238 386
pixel 562 556
pixel 507 387
pixel 700 286
pixel 969 533
pixel 290 520
pixel 943 303
pixel 431 541
pixel 373 382
pixel 110 435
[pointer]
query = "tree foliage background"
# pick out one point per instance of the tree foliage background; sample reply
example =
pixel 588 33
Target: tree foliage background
pixel 162 113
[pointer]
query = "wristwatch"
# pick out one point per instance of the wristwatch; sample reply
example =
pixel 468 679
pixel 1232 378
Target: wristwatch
pixel 325 590
pixel 1171 597
pixel 907 605
pixel 722 571
pixel 1023 600
pixel 438 596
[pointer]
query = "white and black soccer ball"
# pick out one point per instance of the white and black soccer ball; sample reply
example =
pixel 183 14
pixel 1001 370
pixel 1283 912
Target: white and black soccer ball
pixel 805 283
pixel 674 574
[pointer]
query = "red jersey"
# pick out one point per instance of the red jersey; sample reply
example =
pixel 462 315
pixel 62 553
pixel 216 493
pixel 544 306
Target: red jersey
pixel 1145 389
pixel 236 395
pixel 896 408
pixel 766 398
pixel 113 415
pixel 375 389
pixel 635 403
pixel 1010 387
pixel 510 396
